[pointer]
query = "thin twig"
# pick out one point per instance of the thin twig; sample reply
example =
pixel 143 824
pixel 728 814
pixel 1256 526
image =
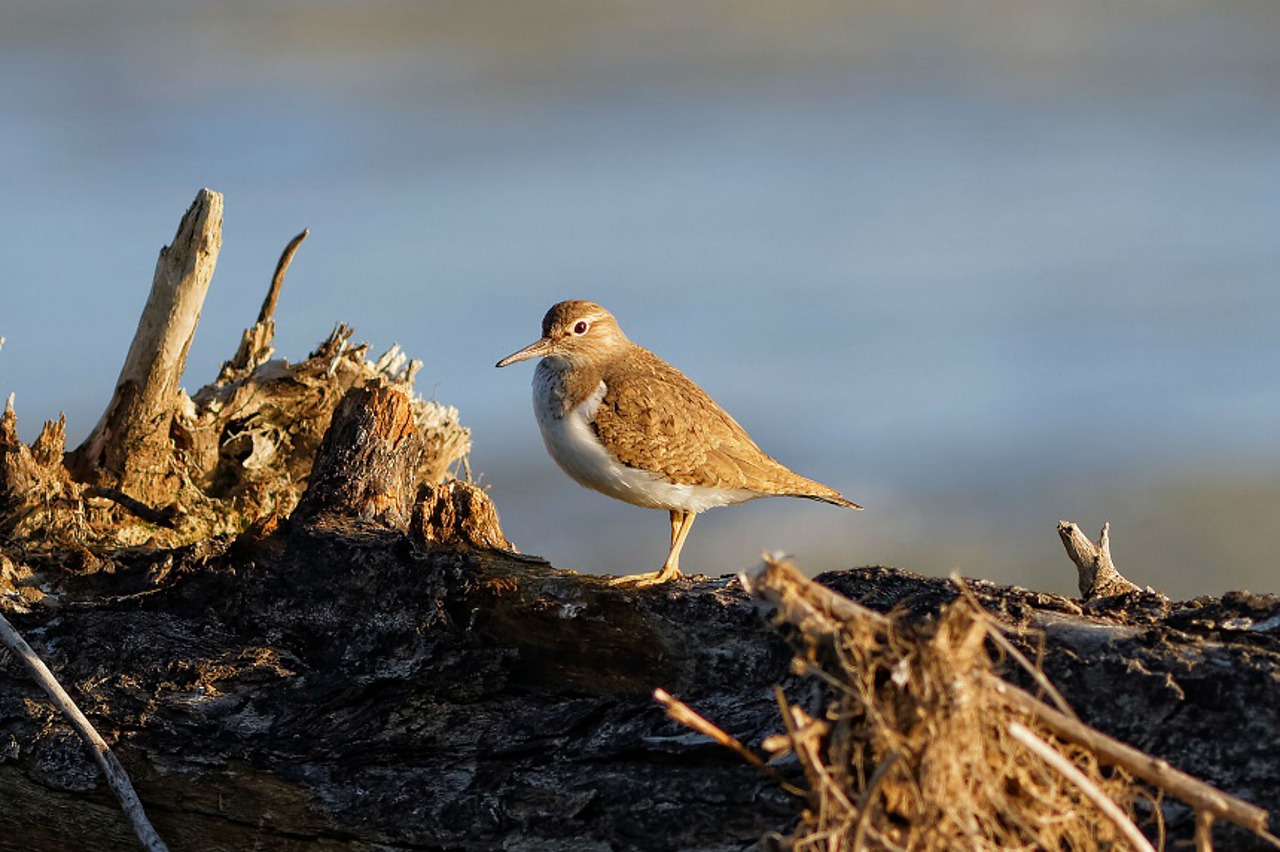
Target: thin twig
pixel 1068 770
pixel 687 716
pixel 277 280
pixel 781 583
pixel 116 777
pixel 166 517
pixel 865 803
pixel 1204 831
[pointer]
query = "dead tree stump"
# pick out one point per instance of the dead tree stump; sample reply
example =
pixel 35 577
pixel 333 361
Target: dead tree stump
pixel 366 466
pixel 164 469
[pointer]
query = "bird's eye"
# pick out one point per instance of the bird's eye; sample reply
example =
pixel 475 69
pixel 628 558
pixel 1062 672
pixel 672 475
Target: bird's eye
pixel 581 327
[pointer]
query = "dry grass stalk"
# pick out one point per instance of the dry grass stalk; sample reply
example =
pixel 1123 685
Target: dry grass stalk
pixel 1108 808
pixel 1208 801
pixel 921 746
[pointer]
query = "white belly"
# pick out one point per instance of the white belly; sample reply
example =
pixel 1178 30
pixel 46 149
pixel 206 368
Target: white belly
pixel 573 444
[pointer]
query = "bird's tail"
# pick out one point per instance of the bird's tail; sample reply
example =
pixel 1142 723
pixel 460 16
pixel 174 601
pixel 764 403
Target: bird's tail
pixel 788 483
pixel 834 498
pixel 814 490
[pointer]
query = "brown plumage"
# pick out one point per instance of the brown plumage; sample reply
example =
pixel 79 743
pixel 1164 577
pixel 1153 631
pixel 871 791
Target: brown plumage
pixel 654 418
pixel 666 443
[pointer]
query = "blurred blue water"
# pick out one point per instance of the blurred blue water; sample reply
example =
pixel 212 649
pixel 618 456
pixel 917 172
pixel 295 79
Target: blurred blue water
pixel 979 268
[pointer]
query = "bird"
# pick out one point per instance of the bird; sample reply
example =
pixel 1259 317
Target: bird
pixel 621 421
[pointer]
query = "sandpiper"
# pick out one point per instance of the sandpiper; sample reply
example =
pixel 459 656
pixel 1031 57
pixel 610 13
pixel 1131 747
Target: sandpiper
pixel 620 420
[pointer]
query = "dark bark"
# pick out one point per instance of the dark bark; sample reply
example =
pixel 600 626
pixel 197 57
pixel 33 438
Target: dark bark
pixel 344 688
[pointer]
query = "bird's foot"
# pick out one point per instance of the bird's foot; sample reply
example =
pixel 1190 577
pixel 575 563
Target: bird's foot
pixel 651 578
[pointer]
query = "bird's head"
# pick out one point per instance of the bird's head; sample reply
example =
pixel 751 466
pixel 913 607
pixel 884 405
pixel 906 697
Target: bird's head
pixel 575 332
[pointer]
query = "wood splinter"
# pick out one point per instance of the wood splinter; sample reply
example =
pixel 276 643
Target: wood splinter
pixel 131 448
pixel 166 517
pixel 1098 575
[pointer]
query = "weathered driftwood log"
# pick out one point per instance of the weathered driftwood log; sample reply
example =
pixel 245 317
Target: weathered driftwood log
pixel 130 448
pixel 338 687
pixel 332 681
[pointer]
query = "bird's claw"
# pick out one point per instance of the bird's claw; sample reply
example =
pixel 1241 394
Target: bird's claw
pixel 651 578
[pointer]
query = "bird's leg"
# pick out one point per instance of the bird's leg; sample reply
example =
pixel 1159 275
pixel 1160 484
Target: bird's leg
pixel 681 521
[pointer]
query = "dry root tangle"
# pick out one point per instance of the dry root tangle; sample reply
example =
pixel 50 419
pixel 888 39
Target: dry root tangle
pixel 919 744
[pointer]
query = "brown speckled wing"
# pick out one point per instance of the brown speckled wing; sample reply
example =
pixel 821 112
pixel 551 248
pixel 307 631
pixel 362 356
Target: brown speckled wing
pixel 654 418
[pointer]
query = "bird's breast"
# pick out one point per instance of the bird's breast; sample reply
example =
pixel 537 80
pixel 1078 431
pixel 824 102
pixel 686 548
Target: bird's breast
pixel 569 436
pixel 573 443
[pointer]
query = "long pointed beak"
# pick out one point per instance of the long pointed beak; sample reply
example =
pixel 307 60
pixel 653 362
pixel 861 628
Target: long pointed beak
pixel 534 350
